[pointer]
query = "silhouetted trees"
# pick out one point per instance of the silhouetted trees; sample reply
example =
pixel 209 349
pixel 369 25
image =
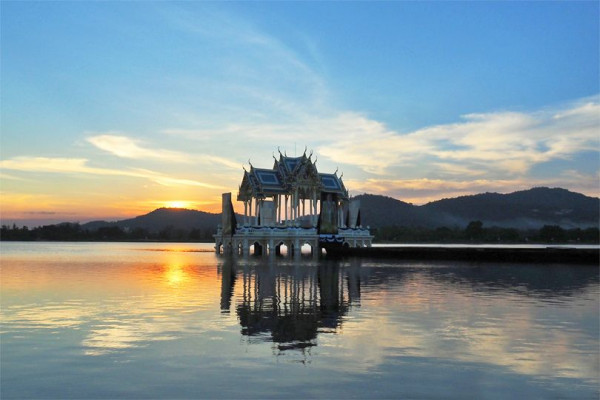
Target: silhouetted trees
pixel 475 232
pixel 74 232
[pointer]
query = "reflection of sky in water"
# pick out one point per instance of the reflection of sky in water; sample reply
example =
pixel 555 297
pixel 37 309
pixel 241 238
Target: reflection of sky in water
pixel 118 305
pixel 533 328
pixel 430 321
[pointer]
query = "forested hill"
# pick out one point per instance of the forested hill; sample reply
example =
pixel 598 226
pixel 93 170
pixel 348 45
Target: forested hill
pixel 164 218
pixel 526 209
pixel 162 223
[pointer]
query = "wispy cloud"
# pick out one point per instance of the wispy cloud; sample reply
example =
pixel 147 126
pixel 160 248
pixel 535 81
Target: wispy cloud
pixel 502 143
pixel 80 165
pixel 514 142
pixel 251 74
pixel 54 165
pixel 126 147
pixel 456 170
pixel 10 177
pixel 221 161
pixel 497 145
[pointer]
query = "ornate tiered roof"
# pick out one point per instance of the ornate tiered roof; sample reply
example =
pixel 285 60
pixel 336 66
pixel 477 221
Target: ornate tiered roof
pixel 288 175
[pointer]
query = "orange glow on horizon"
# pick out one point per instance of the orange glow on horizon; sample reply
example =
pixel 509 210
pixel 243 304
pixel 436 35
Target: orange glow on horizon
pixel 39 210
pixel 178 204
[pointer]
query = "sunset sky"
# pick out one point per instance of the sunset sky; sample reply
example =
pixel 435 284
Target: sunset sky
pixel 112 109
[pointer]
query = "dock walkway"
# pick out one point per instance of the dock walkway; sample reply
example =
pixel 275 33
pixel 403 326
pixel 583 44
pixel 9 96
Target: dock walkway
pixel 572 255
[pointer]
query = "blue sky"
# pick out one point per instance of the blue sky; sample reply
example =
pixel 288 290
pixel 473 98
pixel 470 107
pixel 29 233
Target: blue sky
pixel 110 109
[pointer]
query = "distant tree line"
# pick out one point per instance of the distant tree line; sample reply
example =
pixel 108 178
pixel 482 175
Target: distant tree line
pixel 74 232
pixel 475 232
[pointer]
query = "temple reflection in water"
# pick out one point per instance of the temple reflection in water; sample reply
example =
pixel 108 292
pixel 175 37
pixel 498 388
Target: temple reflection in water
pixel 289 304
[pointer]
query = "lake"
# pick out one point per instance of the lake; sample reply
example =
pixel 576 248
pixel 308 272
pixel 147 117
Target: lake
pixel 164 320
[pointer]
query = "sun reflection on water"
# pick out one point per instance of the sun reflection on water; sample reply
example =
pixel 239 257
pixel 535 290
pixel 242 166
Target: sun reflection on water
pixel 175 273
pixel 119 301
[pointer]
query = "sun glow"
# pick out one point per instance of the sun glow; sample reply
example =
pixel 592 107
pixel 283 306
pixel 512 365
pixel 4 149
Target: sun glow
pixel 177 204
pixel 175 275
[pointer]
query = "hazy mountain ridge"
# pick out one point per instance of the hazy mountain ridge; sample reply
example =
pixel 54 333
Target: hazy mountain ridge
pixel 525 209
pixel 163 218
pixel 377 210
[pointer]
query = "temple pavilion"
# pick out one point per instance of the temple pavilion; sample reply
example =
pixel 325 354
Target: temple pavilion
pixel 291 205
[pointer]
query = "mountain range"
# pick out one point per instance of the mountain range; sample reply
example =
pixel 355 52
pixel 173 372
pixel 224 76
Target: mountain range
pixel 525 209
pixel 164 218
pixel 528 209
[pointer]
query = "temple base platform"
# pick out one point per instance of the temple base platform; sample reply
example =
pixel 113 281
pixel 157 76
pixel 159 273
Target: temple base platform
pixel 286 240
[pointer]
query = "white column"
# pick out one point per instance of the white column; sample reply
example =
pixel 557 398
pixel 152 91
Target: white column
pixel 296 204
pixel 278 208
pixel 286 208
pixel 314 202
pixel 257 211
pixel 293 207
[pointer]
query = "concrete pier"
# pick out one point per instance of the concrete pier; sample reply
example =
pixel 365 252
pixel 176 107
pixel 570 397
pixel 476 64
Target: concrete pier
pixel 549 255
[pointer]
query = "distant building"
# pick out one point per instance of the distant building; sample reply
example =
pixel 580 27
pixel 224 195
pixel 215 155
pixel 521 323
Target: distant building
pixel 292 205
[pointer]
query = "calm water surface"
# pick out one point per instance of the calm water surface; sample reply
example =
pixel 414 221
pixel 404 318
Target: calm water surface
pixel 149 320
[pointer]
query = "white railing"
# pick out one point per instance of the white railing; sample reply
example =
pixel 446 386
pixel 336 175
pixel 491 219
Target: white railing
pixel 292 231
